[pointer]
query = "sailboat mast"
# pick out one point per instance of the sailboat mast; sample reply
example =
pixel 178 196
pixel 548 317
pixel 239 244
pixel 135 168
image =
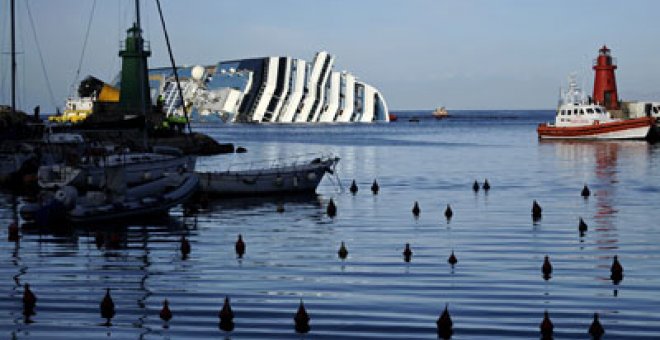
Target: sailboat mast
pixel 13 60
pixel 176 73
pixel 142 66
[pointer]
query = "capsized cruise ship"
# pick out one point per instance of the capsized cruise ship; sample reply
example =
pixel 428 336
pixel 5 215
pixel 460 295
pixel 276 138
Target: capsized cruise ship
pixel 270 90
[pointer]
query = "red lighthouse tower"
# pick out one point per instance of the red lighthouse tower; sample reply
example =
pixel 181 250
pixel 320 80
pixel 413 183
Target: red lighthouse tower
pixel 604 82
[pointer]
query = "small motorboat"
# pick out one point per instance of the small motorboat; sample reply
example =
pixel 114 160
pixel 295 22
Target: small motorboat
pixel 115 203
pixel 440 113
pixel 282 176
pixel 579 118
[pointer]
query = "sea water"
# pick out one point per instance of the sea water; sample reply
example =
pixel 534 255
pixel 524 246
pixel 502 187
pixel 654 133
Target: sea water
pixel 496 290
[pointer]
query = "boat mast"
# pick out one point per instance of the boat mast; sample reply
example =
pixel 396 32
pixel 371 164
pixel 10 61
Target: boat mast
pixel 142 66
pixel 176 73
pixel 13 60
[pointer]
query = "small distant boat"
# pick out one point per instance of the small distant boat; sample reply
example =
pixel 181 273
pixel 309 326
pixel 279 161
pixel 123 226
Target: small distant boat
pixel 578 118
pixel 281 177
pixel 440 113
pixel 393 117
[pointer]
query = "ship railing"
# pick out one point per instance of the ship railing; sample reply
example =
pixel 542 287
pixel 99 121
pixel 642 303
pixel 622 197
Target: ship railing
pixel 296 161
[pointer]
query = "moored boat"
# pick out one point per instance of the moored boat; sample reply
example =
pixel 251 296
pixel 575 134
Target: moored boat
pixel 283 177
pixel 579 118
pixel 116 203
pixel 90 170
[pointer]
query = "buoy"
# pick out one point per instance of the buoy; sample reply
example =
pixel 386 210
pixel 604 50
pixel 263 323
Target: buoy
pixel 29 300
pixel 332 209
pixel 445 324
pixel 240 246
pixel 353 188
pixel 165 312
pixel 226 316
pixel 486 185
pixel 585 191
pixel 448 212
pixel 616 270
pixel 185 246
pixel 546 326
pixel 452 260
pixel 280 207
pixel 301 319
pixel 407 253
pixel 596 330
pixel 375 187
pixel 107 306
pixel 546 268
pixel 415 209
pixel 536 210
pixel 343 252
pixel 475 186
pixel 582 226
pixel 12 232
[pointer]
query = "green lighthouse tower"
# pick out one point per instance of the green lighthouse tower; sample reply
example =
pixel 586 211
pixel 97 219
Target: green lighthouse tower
pixel 134 92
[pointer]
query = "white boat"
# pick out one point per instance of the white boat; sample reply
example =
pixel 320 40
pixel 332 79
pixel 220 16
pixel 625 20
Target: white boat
pixel 281 177
pixel 579 118
pixel 161 198
pixel 116 203
pixel 91 169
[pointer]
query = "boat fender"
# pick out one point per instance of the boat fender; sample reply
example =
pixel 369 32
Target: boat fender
pixel 67 195
pixel 295 181
pixel 311 176
pixel 279 181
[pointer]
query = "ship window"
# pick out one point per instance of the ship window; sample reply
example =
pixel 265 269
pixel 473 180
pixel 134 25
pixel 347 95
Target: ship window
pixel 597 110
pixel 575 111
pixel 581 112
pixel 655 109
pixel 590 110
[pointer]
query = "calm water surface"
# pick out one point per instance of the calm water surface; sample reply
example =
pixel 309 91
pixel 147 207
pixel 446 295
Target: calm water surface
pixel 495 291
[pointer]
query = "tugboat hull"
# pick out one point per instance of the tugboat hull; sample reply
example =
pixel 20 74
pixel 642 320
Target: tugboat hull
pixel 638 128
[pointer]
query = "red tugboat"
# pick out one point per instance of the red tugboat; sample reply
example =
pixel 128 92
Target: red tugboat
pixel 579 117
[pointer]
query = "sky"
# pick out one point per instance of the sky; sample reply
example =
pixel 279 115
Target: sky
pixel 420 54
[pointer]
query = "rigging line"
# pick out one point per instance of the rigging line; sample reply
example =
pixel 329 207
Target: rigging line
pixel 82 53
pixel 41 57
pixel 176 73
